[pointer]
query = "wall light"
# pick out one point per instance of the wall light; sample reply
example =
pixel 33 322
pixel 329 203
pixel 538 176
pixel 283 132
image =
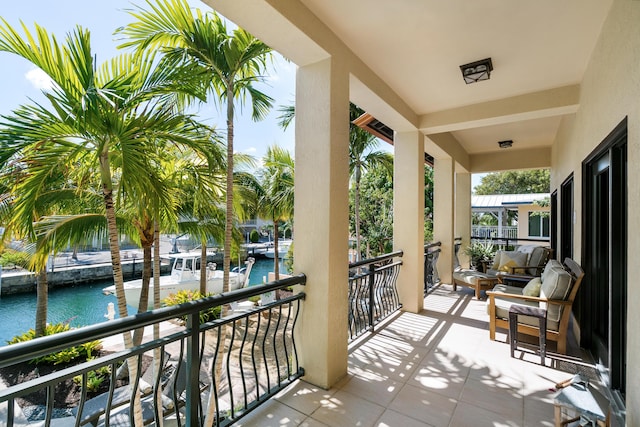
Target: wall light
pixel 477 71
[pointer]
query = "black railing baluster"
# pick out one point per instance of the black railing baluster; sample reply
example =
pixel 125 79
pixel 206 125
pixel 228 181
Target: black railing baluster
pixel 50 404
pixel 371 285
pixel 193 368
pixel 253 353
pixel 192 338
pixel 264 346
pixel 372 295
pixel 228 364
pixel 242 374
pixel 284 342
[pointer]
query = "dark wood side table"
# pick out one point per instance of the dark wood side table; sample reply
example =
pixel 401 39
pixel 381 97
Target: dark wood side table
pixel 541 314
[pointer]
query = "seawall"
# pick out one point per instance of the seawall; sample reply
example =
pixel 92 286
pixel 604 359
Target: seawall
pixel 18 282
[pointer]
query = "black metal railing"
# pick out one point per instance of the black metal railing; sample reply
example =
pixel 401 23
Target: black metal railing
pixel 431 254
pixel 373 294
pixel 506 243
pixel 457 244
pixel 218 370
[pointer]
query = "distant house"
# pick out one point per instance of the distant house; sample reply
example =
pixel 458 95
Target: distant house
pixel 517 215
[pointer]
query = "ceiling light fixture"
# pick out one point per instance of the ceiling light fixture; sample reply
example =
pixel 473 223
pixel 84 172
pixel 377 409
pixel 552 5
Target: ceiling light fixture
pixel 477 71
pixel 505 144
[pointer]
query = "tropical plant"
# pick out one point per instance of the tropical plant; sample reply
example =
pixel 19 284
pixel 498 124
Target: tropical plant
pixel 270 192
pixel 227 64
pixel 187 295
pixel 479 253
pixel 12 258
pixel 101 126
pixel 84 351
pixel 515 182
pixel 363 156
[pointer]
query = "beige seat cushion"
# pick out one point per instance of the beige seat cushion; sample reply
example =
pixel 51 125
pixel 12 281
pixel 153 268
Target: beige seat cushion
pixel 503 303
pixel 555 286
pixel 510 259
pixel 469 276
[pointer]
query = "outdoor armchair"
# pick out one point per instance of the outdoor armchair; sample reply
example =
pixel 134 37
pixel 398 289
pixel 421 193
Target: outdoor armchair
pixel 556 290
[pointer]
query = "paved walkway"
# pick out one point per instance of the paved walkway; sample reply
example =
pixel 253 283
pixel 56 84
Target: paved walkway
pixel 435 368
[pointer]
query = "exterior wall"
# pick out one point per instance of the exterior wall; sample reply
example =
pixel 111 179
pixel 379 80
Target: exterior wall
pixel 523 218
pixel 610 91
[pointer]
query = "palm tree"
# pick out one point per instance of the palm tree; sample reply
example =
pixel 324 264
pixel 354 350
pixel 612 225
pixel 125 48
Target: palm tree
pixel 363 156
pixel 270 193
pixel 277 202
pixel 227 64
pixel 106 117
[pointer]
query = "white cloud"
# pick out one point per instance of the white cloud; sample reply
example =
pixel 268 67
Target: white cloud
pixel 250 150
pixel 39 79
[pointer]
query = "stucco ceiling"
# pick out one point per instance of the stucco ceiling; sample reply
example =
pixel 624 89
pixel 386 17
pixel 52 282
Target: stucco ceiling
pixel 417 46
pixel 540 50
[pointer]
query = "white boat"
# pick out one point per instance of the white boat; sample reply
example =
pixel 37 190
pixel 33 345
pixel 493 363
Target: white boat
pixel 283 249
pixel 185 276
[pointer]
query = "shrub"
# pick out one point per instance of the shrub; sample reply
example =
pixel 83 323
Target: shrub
pixel 187 296
pixel 94 378
pixel 84 351
pixel 254 236
pixel 12 258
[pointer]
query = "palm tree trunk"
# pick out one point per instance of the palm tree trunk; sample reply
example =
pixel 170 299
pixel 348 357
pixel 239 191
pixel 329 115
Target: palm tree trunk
pixel 228 226
pixel 42 300
pixel 203 267
pixel 157 352
pixel 356 210
pixel 143 304
pixel 114 248
pixel 276 263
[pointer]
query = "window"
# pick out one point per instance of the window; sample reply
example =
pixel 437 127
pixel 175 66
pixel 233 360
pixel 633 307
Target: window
pixel 538 224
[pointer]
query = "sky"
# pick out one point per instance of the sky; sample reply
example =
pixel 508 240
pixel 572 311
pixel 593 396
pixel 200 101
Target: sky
pixel 20 81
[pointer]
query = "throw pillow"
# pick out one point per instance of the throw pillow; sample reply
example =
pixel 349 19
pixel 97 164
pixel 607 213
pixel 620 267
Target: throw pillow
pixel 509 259
pixel 496 260
pixel 532 289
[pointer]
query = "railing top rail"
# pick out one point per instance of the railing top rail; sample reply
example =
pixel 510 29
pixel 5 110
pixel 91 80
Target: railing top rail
pixel 432 245
pixel 512 239
pixel 28 350
pixel 377 259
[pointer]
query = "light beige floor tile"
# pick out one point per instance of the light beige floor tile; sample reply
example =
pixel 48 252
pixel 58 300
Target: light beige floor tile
pixel 304 397
pixel 368 361
pixel 344 409
pixel 373 388
pixel 394 419
pixel 272 414
pixel 441 373
pixel 503 400
pixel 310 422
pixel 471 415
pixel 427 406
pixel 538 413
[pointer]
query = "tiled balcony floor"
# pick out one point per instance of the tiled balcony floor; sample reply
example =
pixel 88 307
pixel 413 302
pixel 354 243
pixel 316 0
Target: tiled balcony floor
pixel 436 368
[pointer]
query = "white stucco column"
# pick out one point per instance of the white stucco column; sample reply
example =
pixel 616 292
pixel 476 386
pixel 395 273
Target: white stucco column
pixel 321 218
pixel 408 217
pixel 444 214
pixel 463 213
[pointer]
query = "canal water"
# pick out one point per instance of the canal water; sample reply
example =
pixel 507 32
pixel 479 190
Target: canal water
pixel 80 305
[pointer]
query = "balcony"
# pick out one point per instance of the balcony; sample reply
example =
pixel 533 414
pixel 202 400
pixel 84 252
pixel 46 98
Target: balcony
pixel 437 367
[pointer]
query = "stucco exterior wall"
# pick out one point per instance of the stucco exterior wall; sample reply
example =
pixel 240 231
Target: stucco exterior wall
pixel 610 91
pixel 523 218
